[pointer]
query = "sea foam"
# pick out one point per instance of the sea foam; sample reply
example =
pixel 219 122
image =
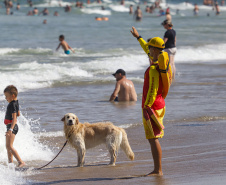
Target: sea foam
pixel 26 143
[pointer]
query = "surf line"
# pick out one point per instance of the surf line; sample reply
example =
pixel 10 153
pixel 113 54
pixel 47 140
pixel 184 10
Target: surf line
pixel 56 155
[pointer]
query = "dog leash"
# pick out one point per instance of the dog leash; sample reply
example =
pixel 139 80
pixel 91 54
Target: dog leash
pixel 56 155
pixel 53 158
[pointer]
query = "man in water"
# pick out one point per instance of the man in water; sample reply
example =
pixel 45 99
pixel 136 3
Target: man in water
pixel 124 88
pixel 196 9
pixel 64 45
pixel 170 43
pixel 138 14
pixel 217 8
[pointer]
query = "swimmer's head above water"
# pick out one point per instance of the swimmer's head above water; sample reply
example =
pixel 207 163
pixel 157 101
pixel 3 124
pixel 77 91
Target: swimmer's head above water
pixel 119 74
pixel 123 73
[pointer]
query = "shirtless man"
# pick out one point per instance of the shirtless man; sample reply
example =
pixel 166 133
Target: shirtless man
pixel 64 45
pixel 124 88
pixel 196 9
pixel 35 11
pixel 138 14
pixel 131 9
pixel 217 8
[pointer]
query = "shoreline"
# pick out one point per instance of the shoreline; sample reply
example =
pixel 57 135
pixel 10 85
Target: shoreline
pixel 183 160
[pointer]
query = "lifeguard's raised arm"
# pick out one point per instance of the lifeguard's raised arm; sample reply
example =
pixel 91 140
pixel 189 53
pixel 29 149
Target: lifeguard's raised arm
pixel 142 42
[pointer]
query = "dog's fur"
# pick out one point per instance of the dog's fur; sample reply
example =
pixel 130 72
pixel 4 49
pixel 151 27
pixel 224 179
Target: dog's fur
pixel 85 136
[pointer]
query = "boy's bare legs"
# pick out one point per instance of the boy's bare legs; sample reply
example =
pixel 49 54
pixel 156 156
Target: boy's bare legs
pixel 157 156
pixel 12 151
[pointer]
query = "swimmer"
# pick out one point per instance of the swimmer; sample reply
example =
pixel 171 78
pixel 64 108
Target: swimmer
pixel 29 13
pixel 35 12
pixel 124 88
pixel 45 12
pixel 7 11
pixel 217 8
pixel 131 9
pixel 196 10
pixel 101 18
pixel 44 21
pixel 67 8
pixel 64 45
pixel 98 18
pixel 138 14
pixel 18 6
pixel 105 19
pixel 56 13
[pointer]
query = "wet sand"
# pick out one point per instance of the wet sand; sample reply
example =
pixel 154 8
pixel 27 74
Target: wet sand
pixel 193 153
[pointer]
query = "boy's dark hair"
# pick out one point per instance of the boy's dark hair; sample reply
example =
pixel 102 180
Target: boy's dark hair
pixel 61 36
pixel 11 89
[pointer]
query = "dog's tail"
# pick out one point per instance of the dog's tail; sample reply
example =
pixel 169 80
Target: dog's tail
pixel 125 145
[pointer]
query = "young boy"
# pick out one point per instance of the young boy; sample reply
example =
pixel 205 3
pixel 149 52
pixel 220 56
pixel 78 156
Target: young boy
pixel 64 45
pixel 10 121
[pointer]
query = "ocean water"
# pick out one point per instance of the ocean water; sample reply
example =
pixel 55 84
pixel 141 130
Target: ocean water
pixel 51 83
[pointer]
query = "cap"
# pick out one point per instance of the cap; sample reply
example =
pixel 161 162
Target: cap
pixel 120 71
pixel 167 22
pixel 156 42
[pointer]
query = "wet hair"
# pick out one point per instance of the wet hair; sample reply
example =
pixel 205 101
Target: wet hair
pixel 61 36
pixel 12 90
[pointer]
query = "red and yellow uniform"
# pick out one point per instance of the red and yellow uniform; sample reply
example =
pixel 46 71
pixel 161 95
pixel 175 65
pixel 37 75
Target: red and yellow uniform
pixel 153 104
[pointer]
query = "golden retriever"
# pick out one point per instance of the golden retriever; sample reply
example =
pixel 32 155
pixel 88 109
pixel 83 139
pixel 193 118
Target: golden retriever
pixel 85 136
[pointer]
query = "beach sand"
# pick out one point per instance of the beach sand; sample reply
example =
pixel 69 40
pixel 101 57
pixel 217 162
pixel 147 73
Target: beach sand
pixel 196 155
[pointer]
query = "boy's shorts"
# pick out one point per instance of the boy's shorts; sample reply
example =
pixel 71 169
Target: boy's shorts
pixel 67 52
pixel 150 131
pixel 15 129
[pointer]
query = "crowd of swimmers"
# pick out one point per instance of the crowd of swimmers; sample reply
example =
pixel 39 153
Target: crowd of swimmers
pixel 137 14
pixel 214 4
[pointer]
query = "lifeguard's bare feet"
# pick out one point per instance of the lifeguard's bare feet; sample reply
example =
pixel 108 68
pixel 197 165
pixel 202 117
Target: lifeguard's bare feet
pixel 154 173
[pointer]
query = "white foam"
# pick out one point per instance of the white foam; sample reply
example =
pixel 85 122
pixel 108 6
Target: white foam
pixel 207 53
pixel 189 6
pixel 4 51
pixel 8 51
pixel 51 134
pixel 26 142
pixel 8 176
pixel 119 8
pixel 96 11
pixel 110 65
pixel 107 1
pixel 54 3
pixel 34 75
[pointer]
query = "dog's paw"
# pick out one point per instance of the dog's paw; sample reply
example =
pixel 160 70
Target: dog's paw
pixel 111 164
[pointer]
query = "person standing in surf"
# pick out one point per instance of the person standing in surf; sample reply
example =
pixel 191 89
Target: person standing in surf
pixel 170 43
pixel 152 100
pixel 10 121
pixel 138 14
pixel 64 45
